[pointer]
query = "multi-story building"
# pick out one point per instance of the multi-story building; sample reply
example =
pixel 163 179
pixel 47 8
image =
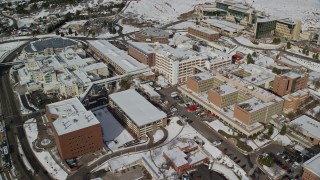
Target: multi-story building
pixel 289 83
pixel 137 114
pixel 199 32
pixel 265 27
pixel 145 52
pixel 177 64
pixel 311 169
pixel 151 35
pixel 209 10
pixel 201 82
pixel 288 29
pixel 294 100
pixel 224 27
pixel 118 61
pixel 76 131
pixel 223 96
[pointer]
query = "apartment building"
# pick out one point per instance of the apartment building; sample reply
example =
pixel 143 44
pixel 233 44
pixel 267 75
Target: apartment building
pixel 177 64
pixel 223 96
pixel 151 35
pixel 311 169
pixel 117 60
pixel 203 33
pixel 76 131
pixel 289 83
pixel 224 27
pixel 136 113
pixel 294 100
pixel 288 29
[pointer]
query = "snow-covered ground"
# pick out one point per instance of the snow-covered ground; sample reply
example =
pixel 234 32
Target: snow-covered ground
pixel 282 139
pixel 162 10
pixel 182 25
pixel 129 29
pixel 25 22
pixel 274 171
pixel 158 135
pixel 7 47
pixel 44 157
pixel 218 125
pixel 252 144
pixel 308 64
pixel 162 81
pixel 247 42
pixel 112 130
pixel 23 156
pixel 304 10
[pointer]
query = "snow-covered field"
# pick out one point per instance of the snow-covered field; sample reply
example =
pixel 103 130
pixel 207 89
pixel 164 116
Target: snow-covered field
pixel 218 125
pixel 247 42
pixel 162 10
pixel 112 129
pixel 305 10
pixel 282 139
pixel 44 157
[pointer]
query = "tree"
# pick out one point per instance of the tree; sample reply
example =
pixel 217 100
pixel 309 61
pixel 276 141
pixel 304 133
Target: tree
pixel 75 33
pixel 250 59
pixel 317 56
pixel 62 34
pixel 254 54
pixel 307 52
pixel 124 84
pixel 70 31
pixel 93 34
pixel 57 32
pixel 283 130
pixel 288 45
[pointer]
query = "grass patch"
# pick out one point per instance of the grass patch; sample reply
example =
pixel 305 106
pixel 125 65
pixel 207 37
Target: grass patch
pixel 242 145
pixel 180 122
pixel 267 161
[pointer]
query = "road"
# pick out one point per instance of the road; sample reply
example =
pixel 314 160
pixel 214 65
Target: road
pixel 12 117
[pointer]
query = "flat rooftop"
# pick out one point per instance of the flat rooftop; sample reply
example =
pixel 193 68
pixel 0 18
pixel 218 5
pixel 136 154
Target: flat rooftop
pixel 309 125
pixel 202 76
pixel 117 56
pixel 72 116
pixel 225 25
pixel 252 105
pixel 148 48
pixel 54 43
pixel 204 29
pixel 140 110
pixel 177 156
pixel 225 89
pixel 313 164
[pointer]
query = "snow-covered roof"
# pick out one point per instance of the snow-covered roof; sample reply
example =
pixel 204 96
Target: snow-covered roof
pixel 252 105
pixel 95 66
pixel 225 25
pixel 225 89
pixel 202 76
pixel 148 48
pixel 82 76
pixel 177 156
pixel 204 29
pixel 117 56
pixel 54 43
pixel 139 110
pixel 309 125
pixel 313 164
pixel 196 157
pixel 72 116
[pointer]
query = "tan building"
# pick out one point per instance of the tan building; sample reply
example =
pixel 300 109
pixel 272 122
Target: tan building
pixel 136 114
pixel 289 83
pixel 294 100
pixel 223 96
pixel 224 27
pixel 311 170
pixel 200 82
pixel 151 35
pixel 199 32
pixel 76 131
pixel 288 29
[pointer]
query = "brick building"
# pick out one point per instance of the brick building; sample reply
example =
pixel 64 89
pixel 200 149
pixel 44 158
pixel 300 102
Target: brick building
pixel 199 32
pixel 76 131
pixel 289 83
pixel 294 100
pixel 311 168
pixel 151 34
pixel 223 96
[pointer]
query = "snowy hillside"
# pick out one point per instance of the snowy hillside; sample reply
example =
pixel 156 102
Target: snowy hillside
pixel 308 11
pixel 163 10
